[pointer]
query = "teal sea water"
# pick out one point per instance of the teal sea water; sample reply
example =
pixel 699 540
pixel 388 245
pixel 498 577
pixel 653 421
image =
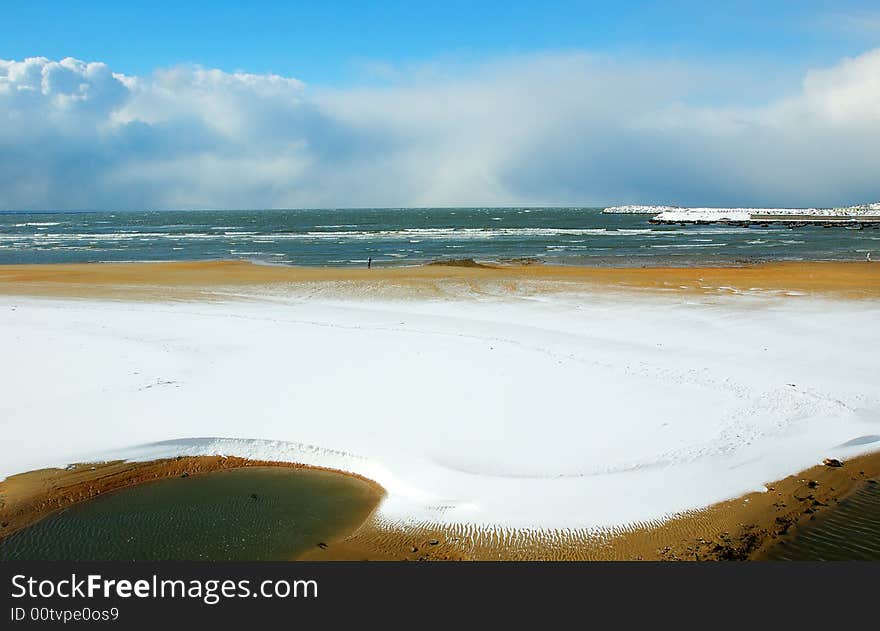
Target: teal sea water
pixel 395 236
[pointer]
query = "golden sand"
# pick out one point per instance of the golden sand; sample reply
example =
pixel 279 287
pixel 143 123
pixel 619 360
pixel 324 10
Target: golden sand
pixel 207 279
pixel 738 529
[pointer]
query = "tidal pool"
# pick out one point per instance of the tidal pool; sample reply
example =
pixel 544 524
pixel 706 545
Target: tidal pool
pixel 258 513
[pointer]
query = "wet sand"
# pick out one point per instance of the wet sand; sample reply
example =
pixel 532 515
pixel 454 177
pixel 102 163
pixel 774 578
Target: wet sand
pixel 740 529
pixel 222 279
pixel 848 532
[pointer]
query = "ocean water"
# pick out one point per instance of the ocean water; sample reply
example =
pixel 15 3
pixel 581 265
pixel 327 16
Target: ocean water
pixel 401 236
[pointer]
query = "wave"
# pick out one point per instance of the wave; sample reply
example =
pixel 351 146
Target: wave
pixel 403 234
pixel 690 245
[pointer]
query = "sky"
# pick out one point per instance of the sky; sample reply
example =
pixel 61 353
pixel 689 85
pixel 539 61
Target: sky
pixel 108 105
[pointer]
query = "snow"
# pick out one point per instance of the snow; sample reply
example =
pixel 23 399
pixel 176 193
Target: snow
pixel 678 213
pixel 746 214
pixel 635 209
pixel 724 214
pixel 536 410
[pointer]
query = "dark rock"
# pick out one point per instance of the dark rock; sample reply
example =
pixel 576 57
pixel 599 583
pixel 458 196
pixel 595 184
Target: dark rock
pixel 322 545
pixel 433 542
pixel 812 484
pixel 254 496
pixel 184 475
pixel 832 462
pixel 413 549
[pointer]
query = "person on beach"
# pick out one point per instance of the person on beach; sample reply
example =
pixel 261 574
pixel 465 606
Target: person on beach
pixel 369 262
pixel 868 257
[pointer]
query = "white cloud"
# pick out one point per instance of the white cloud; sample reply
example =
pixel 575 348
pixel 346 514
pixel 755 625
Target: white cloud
pixel 551 128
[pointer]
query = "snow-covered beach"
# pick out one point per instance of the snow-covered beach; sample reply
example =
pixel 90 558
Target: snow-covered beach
pixel 568 410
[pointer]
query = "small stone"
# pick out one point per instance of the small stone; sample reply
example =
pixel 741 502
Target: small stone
pixel 184 475
pixel 433 542
pixel 812 484
pixel 832 462
pixel 322 545
pixel 4 524
pixel 254 496
pixel 413 549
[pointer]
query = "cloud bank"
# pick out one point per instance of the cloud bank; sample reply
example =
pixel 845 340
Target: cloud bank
pixel 568 128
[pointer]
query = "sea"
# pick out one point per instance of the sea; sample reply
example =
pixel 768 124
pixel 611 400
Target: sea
pixel 410 236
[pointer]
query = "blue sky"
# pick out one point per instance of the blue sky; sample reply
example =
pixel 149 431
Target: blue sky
pixel 269 104
pixel 329 42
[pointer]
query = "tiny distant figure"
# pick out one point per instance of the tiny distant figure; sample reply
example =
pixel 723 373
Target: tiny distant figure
pixel 868 257
pixel 370 261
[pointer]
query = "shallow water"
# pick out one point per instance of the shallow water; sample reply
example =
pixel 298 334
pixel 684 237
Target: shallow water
pixel 410 235
pixel 849 532
pixel 244 514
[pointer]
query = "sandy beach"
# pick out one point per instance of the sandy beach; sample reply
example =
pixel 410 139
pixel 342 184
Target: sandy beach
pixel 740 529
pixel 506 412
pixel 210 278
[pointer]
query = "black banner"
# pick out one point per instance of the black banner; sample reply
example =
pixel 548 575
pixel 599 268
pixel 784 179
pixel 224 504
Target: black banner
pixel 225 595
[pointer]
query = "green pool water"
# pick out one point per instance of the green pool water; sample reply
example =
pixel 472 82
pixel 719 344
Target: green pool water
pixel 245 514
pixel 849 532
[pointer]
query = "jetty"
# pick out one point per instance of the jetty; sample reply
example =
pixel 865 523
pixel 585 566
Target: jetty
pixel 852 217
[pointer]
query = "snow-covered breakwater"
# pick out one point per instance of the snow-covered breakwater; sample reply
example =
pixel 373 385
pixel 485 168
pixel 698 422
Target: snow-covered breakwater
pixel 860 216
pixel 635 209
